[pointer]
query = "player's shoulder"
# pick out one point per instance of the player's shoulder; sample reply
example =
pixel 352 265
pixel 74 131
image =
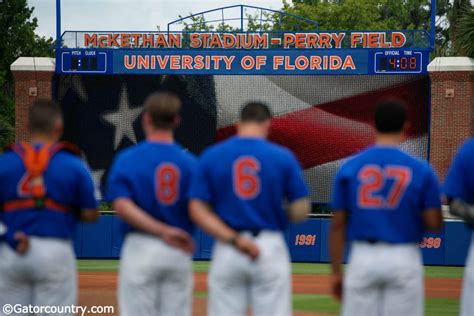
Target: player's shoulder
pixel 130 153
pixel 279 153
pixel 467 148
pixel 278 149
pixel 8 159
pixel 69 161
pixel 184 156
pixel 468 144
pixel 420 167
pixel 416 163
pixel 8 155
pixel 216 149
pixel 354 162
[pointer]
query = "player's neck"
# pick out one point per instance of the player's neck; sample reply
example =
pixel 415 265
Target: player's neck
pixel 161 136
pixel 251 131
pixel 388 139
pixel 42 139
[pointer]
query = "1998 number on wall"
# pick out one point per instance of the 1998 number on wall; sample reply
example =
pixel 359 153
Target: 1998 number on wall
pixel 430 242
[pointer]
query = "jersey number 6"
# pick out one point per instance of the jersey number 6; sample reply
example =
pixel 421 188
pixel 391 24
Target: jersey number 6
pixel 245 177
pixel 167 178
pixel 373 179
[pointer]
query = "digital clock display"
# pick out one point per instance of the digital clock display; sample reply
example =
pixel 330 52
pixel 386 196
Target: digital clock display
pixel 78 61
pixel 410 62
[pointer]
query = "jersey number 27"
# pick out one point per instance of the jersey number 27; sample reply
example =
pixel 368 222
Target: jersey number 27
pixel 373 179
pixel 167 178
pixel 246 180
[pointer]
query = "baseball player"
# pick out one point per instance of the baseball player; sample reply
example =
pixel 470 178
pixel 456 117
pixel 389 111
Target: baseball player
pixel 459 189
pixel 148 185
pixel 44 189
pixel 237 197
pixel 385 199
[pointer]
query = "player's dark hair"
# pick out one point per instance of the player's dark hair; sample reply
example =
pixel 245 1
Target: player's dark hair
pixel 390 116
pixel 163 108
pixel 43 115
pixel 255 112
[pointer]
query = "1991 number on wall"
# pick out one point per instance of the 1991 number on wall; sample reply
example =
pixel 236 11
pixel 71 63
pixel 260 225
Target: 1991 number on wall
pixel 305 240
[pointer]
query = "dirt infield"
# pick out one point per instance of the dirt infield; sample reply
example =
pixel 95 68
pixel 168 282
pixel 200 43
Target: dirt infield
pixel 99 289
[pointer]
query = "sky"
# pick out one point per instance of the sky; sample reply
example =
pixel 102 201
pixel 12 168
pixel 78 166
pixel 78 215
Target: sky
pixel 128 15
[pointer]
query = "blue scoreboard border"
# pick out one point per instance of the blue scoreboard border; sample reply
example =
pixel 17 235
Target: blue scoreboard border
pixel 112 61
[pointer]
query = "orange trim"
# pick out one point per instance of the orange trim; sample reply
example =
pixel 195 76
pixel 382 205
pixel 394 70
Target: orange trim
pixel 55 206
pixel 36 162
pixel 17 205
pixel 70 147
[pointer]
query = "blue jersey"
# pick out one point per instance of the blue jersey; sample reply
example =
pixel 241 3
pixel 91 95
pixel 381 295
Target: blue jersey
pixel 246 180
pixel 385 192
pixel 156 176
pixel 460 180
pixel 67 181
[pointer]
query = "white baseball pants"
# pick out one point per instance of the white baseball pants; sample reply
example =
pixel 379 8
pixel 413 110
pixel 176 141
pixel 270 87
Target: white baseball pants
pixel 44 276
pixel 236 282
pixel 155 278
pixel 383 280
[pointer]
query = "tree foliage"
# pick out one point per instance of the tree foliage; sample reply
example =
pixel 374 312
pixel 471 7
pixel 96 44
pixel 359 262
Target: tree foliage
pixel 17 38
pixel 198 23
pixel 340 15
pixel 366 15
pixel 464 36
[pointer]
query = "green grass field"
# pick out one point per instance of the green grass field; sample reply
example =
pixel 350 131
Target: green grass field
pixel 313 302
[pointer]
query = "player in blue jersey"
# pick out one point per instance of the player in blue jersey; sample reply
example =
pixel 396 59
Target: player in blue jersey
pixel 148 185
pixel 383 202
pixel 237 197
pixel 44 189
pixel 459 189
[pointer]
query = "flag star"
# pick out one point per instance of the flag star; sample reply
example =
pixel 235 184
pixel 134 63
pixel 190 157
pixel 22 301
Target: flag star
pixel 75 83
pixel 123 118
pixel 97 177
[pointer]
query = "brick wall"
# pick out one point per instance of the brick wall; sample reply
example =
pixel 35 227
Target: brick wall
pixel 452 116
pixel 24 80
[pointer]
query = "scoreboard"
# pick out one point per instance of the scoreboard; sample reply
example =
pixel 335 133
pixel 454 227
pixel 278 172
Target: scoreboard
pixel 307 62
pixel 310 53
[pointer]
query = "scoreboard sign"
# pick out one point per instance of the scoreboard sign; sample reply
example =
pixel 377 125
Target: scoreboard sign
pixel 309 53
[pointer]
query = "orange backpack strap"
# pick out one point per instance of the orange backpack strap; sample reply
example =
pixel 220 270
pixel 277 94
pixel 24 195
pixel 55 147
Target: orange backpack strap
pixel 36 162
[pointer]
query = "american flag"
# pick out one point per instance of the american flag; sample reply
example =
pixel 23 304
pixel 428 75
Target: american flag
pixel 323 119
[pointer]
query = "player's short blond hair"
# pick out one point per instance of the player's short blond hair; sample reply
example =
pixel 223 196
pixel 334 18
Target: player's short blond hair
pixel 163 109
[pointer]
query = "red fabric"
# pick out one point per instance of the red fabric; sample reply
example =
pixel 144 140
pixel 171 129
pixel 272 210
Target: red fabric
pixel 17 205
pixel 334 130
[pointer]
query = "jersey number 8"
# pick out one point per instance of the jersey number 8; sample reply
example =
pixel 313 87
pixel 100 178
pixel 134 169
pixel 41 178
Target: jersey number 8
pixel 373 179
pixel 167 178
pixel 246 180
